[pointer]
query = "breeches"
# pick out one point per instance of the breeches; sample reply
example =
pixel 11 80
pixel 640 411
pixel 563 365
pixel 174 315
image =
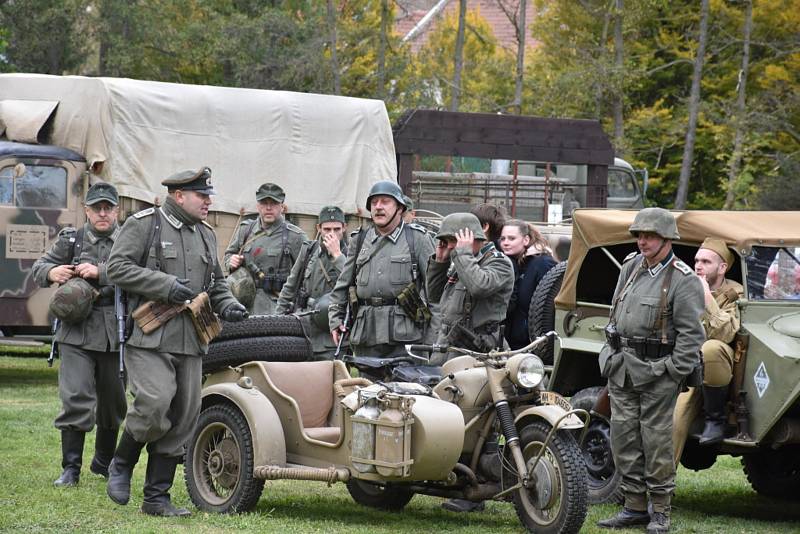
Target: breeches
pixel 717 363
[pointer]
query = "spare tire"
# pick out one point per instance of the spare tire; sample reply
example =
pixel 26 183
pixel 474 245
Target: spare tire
pixel 261 325
pixel 542 311
pixel 234 352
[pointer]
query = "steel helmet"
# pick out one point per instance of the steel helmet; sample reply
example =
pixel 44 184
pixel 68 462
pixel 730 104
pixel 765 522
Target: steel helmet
pixel 656 220
pixel 72 302
pixel 458 221
pixel 242 286
pixel 388 188
pixel 320 317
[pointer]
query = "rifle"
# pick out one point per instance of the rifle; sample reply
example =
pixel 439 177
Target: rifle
pixel 120 305
pixel 54 344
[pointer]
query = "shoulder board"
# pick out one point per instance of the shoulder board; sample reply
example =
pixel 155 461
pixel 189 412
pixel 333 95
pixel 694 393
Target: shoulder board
pixel 144 213
pixel 417 227
pixel 246 221
pixel 630 256
pixel 682 267
pixel 208 225
pixel 68 231
pixel 293 228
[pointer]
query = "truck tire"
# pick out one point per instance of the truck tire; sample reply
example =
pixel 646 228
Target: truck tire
pixel 234 352
pixel 261 325
pixel 775 473
pixel 604 479
pixel 542 311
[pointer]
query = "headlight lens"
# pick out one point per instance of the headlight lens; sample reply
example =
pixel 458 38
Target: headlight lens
pixel 526 370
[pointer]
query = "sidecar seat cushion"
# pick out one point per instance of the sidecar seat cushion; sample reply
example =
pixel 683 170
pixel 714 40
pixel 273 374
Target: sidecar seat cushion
pixel 310 384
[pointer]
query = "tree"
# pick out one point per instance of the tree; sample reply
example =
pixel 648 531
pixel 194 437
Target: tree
pixel 458 55
pixel 337 85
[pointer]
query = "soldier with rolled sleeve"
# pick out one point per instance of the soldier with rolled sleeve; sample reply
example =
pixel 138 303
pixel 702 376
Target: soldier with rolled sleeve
pixel 168 255
pixel 90 388
pixel 382 285
pixel 267 247
pixel 653 344
pixel 313 276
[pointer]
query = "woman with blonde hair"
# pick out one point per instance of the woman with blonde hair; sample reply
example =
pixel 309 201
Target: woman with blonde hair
pixel 532 258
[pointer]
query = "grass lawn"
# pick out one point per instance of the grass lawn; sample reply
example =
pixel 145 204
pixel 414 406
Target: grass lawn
pixel 716 500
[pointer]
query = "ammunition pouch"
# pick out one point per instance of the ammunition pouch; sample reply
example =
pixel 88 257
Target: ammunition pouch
pixel 273 282
pixel 152 315
pixel 647 348
pixel 410 300
pixel 206 323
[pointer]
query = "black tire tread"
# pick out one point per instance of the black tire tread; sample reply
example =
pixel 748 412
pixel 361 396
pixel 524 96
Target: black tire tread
pixel 261 325
pixel 234 352
pixel 542 311
pixel 774 474
pixel 391 499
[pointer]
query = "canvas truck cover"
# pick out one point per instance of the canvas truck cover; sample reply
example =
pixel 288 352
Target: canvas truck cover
pixel 321 149
pixel 739 229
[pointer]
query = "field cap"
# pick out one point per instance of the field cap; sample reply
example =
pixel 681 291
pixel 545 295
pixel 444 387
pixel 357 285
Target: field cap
pixel 331 214
pixel 102 192
pixel 199 180
pixel 721 248
pixel 270 190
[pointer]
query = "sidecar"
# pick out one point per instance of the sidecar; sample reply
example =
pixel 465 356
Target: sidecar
pixel 306 421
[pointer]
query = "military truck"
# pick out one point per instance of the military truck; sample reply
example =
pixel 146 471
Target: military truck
pixel 58 135
pixel 763 410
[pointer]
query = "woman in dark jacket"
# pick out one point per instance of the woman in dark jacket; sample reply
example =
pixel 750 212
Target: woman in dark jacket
pixel 531 257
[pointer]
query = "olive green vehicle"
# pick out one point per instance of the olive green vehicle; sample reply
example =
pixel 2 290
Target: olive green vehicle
pixel 61 134
pixel 486 431
pixel 763 412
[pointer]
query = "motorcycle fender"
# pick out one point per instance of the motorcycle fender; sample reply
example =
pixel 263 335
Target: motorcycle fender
pixel 549 413
pixel 266 430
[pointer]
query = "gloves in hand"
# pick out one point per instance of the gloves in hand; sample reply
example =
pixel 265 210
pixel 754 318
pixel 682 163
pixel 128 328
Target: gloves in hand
pixel 235 312
pixel 180 292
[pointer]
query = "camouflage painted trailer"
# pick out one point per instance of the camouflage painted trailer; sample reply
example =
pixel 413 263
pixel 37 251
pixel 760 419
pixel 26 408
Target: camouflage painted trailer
pixel 60 134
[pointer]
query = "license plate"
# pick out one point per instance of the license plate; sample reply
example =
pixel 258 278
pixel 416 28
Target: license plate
pixel 551 397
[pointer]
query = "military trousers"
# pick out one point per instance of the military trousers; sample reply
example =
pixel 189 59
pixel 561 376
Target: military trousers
pixel 166 398
pixel 90 388
pixel 264 303
pixel 641 440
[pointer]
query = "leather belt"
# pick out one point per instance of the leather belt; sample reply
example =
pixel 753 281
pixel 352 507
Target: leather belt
pixel 377 302
pixel 647 348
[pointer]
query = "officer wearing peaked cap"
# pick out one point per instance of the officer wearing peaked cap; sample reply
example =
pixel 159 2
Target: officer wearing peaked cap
pixel 90 389
pixel 267 247
pixel 313 276
pixel 169 255
pixel 653 343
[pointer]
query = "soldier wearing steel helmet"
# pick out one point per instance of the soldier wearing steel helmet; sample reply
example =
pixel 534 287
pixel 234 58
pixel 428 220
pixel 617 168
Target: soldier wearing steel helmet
pixel 472 282
pixel 91 391
pixel 383 260
pixel 267 247
pixel 169 255
pixel 653 342
pixel 313 276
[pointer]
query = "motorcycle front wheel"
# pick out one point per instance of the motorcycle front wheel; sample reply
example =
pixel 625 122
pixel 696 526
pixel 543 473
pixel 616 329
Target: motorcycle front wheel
pixel 556 500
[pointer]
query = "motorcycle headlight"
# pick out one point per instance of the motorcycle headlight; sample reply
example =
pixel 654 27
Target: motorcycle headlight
pixel 526 370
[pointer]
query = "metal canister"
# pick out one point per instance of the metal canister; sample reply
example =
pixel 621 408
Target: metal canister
pixel 364 434
pixel 393 436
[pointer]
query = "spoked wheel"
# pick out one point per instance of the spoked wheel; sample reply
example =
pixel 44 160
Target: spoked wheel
pixel 556 500
pixel 219 462
pixel 383 497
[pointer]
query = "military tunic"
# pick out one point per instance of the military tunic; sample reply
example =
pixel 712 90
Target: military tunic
pixel 383 268
pixel 721 322
pixel 165 366
pixel 263 249
pixel 643 390
pixel 473 291
pixel 89 385
pixel 312 278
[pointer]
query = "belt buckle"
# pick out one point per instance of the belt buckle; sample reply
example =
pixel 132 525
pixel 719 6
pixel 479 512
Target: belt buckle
pixel 376 301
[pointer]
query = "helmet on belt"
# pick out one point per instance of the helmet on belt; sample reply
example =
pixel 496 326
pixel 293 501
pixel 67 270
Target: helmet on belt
pixel 388 188
pixel 242 286
pixel 72 302
pixel 458 221
pixel 320 318
pixel 656 220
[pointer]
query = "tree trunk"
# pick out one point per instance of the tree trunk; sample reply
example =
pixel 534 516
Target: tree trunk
pixel 619 77
pixel 337 84
pixel 458 63
pixel 694 105
pixel 602 77
pixel 382 42
pixel 739 117
pixel 520 56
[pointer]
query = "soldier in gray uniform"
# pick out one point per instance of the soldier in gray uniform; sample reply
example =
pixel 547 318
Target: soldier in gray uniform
pixel 472 282
pixel 653 344
pixel 169 255
pixel 313 276
pixel 267 247
pixel 385 267
pixel 89 385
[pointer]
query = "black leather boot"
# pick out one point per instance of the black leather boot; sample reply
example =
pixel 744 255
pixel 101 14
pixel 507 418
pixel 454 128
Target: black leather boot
pixel 158 481
pixel 625 519
pixel 714 399
pixel 105 442
pixel 659 523
pixel 71 458
pixel 120 470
